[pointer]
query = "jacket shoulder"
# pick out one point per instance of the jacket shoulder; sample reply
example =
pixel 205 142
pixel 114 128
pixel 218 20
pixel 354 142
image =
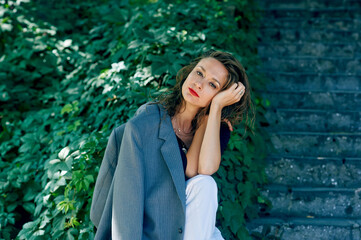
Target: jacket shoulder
pixel 146 113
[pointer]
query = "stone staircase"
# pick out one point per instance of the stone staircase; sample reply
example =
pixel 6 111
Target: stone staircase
pixel 311 52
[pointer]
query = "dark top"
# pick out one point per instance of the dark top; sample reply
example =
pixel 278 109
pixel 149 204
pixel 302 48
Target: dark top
pixel 225 134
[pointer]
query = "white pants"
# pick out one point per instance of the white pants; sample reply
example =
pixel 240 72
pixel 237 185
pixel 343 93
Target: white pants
pixel 201 208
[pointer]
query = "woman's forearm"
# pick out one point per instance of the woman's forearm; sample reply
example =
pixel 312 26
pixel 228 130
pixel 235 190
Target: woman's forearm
pixel 210 150
pixel 194 150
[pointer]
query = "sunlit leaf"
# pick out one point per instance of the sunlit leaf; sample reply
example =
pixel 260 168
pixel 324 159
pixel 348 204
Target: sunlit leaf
pixel 64 153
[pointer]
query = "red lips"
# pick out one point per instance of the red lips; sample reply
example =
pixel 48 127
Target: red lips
pixel 194 93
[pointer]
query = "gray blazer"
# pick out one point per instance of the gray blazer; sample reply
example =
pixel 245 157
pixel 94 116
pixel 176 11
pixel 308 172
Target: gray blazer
pixel 140 189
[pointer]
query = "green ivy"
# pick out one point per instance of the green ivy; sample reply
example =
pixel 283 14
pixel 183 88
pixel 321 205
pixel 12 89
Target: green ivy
pixel 71 72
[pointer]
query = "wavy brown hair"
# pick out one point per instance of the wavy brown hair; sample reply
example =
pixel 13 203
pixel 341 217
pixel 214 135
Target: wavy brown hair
pixel 236 112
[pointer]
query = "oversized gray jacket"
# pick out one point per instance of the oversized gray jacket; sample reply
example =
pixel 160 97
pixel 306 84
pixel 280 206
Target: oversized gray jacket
pixel 140 189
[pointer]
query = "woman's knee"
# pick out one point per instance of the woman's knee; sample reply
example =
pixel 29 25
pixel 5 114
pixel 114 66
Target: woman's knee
pixel 208 182
pixel 204 184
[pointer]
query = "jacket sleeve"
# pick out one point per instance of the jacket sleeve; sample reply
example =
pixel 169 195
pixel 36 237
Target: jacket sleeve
pixel 105 175
pixel 128 187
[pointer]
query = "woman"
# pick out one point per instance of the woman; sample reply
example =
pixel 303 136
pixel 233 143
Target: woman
pixel 163 157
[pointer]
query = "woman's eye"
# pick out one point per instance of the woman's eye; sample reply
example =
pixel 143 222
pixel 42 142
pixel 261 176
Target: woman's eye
pixel 212 85
pixel 199 73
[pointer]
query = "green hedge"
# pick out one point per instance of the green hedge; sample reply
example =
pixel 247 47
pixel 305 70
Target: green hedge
pixel 71 72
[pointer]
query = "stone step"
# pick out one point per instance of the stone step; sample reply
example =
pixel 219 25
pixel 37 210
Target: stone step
pixel 319 4
pixel 307 228
pixel 333 12
pixel 336 100
pixel 314 171
pixel 307 35
pixel 277 14
pixel 300 120
pixel 342 23
pixel 313 64
pixel 311 144
pixel 313 202
pixel 319 50
pixel 307 81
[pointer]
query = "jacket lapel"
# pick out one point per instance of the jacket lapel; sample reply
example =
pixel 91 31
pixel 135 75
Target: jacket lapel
pixel 171 154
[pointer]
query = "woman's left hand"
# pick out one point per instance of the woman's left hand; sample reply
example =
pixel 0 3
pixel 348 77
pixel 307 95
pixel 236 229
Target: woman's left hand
pixel 229 96
pixel 229 124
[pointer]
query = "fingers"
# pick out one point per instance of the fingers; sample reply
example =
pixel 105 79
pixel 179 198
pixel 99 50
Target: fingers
pixel 238 90
pixel 241 88
pixel 229 124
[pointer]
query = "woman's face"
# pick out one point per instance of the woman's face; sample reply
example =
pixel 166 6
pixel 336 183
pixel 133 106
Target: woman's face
pixel 204 82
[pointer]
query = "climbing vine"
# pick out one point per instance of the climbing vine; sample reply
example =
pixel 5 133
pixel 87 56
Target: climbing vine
pixel 71 72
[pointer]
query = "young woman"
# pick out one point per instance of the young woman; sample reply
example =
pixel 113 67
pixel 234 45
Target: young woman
pixel 154 182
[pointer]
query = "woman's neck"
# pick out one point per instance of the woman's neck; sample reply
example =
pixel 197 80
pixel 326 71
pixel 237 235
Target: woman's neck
pixel 185 116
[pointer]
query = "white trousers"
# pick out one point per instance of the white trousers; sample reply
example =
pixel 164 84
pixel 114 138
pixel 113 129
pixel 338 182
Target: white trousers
pixel 201 209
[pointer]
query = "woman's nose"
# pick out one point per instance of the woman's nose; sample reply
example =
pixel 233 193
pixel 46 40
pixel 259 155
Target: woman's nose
pixel 198 84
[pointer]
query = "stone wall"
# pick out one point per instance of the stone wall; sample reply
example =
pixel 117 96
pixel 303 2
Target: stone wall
pixel 311 52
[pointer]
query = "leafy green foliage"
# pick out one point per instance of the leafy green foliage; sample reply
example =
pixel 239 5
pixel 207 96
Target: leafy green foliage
pixel 71 72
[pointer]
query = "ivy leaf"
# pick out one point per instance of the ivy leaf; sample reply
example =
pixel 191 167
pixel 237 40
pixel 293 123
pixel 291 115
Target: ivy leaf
pixel 241 234
pixel 39 233
pixel 88 179
pixel 30 225
pixel 64 153
pixel 67 108
pixel 29 143
pixel 70 234
pixel 231 210
pixel 29 207
pixel 29 193
pixel 237 221
pixel 59 222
